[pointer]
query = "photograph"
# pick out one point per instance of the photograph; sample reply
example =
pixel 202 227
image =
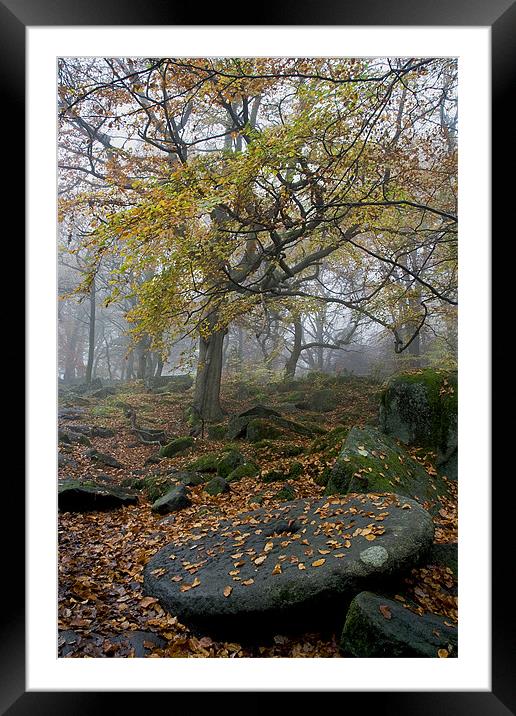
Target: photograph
pixel 257 356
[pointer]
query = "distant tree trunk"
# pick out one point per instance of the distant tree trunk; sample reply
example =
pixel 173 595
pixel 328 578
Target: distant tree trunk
pixel 209 372
pixel 129 368
pixel 159 367
pixel 319 338
pixel 71 354
pixel 91 333
pixel 291 364
pixel 240 344
pixel 108 360
pixel 142 350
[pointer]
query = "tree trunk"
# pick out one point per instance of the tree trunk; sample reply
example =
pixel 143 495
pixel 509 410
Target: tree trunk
pixel 209 373
pixel 142 350
pixel 159 367
pixel 129 370
pixel 291 364
pixel 91 336
pixel 319 337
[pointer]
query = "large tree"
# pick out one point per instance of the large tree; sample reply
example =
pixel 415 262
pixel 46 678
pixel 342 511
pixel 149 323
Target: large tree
pixel 235 184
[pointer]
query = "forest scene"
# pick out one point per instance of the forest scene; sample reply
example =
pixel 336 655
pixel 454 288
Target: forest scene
pixel 257 357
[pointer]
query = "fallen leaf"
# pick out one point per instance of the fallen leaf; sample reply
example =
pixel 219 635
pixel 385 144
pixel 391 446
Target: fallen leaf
pixel 386 612
pixel 147 601
pixel 277 569
pixel 227 591
pixel 318 563
pixel 442 654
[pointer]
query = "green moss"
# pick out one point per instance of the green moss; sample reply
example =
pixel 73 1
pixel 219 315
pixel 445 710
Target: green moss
pixel 154 486
pixel 323 477
pixel 292 473
pixel 176 446
pixel 248 469
pixel 205 463
pixel 216 486
pixel 331 442
pixel 229 462
pixel 216 432
pixel 285 494
pixel 420 408
pixel 285 450
pixel 373 462
pixel 259 429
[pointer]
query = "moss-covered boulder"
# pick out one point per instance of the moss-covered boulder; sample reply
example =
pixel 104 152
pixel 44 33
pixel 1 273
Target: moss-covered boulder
pixel 189 478
pixel 103 458
pixel 77 496
pixel 285 494
pixel 372 462
pixel 176 446
pixel 260 429
pixel 330 443
pixel 153 486
pixel 205 463
pixel 292 472
pixel 377 627
pixel 216 486
pixel 229 462
pixel 420 408
pixel 173 500
pixel 248 469
pixel 216 432
pixel 323 400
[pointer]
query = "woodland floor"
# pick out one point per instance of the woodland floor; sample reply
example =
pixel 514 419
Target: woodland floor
pixel 102 554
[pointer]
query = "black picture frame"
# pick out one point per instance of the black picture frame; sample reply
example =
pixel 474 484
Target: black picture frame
pixel 500 16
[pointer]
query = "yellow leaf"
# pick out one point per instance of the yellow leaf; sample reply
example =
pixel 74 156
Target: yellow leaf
pixel 301 566
pixel 318 563
pixel 442 654
pixel 260 560
pixel 277 569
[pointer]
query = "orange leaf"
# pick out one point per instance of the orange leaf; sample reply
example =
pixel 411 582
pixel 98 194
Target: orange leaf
pixel 147 601
pixel 318 563
pixel 386 612
pixel 227 591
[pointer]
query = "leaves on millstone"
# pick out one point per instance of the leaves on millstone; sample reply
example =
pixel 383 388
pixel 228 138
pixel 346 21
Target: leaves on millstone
pixel 227 591
pixel 318 563
pixel 187 587
pixel 386 612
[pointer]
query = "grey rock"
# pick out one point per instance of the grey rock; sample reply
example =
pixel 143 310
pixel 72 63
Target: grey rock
pixel 76 496
pixel 397 632
pixel 103 458
pixel 373 462
pixel 173 500
pixel 216 486
pixel 421 409
pixel 295 597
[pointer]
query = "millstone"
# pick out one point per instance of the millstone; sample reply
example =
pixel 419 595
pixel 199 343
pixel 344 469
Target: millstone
pixel 288 568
